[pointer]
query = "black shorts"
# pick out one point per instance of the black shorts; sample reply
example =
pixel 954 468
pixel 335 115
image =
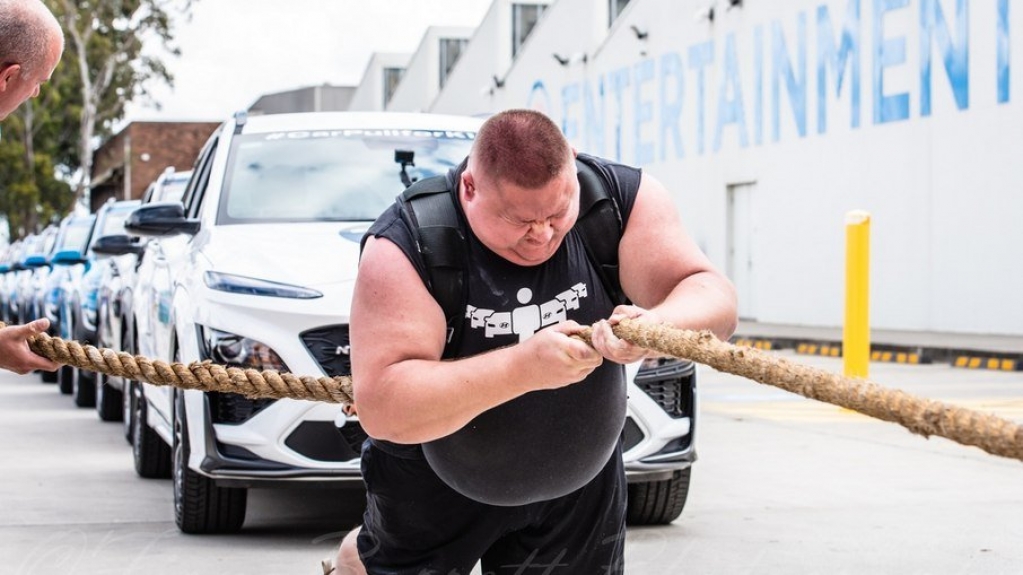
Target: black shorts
pixel 416 525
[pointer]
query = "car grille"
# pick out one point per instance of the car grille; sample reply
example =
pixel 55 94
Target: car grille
pixel 330 348
pixel 234 408
pixel 670 384
pixel 323 441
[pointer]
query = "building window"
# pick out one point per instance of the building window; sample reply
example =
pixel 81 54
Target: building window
pixel 616 8
pixel 450 50
pixel 524 19
pixel 392 77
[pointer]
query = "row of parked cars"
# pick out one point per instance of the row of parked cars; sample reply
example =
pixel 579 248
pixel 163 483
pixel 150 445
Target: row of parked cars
pixel 249 260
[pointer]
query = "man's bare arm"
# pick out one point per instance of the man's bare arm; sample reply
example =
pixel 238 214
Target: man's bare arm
pixel 666 275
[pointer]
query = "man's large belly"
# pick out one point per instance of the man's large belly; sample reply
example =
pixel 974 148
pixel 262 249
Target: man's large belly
pixel 540 446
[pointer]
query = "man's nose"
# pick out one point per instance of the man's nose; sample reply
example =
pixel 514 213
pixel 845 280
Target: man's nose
pixel 541 230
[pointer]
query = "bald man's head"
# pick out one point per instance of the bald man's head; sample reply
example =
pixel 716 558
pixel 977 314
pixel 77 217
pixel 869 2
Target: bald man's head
pixel 31 43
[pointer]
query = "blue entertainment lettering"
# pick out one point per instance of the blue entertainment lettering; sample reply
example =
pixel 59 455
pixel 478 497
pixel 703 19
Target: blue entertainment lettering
pixel 1003 51
pixel 619 81
pixel 956 55
pixel 594 117
pixel 796 87
pixel 847 54
pixel 750 79
pixel 671 105
pixel 888 53
pixel 569 97
pixel 644 111
pixel 701 56
pixel 730 102
pixel 758 82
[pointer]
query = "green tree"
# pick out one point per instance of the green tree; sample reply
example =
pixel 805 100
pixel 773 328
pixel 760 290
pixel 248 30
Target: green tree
pixel 35 141
pixel 105 40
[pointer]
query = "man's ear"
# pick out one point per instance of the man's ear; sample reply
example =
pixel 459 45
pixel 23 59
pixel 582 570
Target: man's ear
pixel 8 74
pixel 468 185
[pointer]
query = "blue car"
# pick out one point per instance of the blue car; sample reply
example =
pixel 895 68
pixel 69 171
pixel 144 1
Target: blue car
pixel 67 265
pixel 80 299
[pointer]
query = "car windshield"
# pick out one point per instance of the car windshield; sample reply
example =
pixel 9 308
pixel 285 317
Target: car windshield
pixel 172 190
pixel 76 234
pixel 113 223
pixel 344 175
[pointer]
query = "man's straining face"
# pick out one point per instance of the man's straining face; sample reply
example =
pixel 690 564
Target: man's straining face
pixel 524 226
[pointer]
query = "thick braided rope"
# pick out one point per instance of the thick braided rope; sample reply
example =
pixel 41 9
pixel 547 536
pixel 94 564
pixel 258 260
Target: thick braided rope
pixel 925 417
pixel 205 376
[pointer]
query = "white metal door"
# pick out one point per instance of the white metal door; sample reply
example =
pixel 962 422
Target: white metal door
pixel 741 231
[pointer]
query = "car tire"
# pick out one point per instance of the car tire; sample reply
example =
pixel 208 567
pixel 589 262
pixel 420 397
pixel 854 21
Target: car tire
pixel 84 385
pixel 200 506
pixel 130 394
pixel 152 456
pixel 64 381
pixel 658 502
pixel 109 401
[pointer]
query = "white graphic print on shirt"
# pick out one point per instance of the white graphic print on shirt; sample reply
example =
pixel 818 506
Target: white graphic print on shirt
pixel 524 321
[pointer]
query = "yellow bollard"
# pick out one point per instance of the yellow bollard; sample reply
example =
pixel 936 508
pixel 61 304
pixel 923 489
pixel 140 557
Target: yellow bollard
pixel 856 334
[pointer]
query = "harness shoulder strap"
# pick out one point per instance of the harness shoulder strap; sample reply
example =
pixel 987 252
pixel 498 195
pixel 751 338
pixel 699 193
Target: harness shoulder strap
pixel 429 210
pixel 600 224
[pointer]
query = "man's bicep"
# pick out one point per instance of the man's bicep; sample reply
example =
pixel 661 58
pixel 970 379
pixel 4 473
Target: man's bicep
pixel 394 317
pixel 656 253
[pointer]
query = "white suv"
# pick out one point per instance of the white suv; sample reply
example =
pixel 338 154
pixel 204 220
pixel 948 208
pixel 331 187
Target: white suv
pixel 256 268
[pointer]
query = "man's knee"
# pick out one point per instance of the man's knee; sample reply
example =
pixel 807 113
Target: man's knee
pixel 347 561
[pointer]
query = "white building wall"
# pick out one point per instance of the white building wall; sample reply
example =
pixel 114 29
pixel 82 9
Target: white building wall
pixel 421 82
pixel 473 86
pixel 751 98
pixel 369 95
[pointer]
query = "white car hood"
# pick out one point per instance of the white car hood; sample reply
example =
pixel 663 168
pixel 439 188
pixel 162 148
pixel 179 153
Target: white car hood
pixel 303 254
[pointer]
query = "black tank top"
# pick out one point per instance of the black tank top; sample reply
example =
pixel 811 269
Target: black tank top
pixel 544 444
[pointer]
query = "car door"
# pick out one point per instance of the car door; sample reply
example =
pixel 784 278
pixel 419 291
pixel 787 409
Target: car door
pixel 169 261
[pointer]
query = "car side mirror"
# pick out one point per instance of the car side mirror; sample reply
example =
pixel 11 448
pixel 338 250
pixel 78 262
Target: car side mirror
pixel 117 245
pixel 33 262
pixel 160 220
pixel 67 258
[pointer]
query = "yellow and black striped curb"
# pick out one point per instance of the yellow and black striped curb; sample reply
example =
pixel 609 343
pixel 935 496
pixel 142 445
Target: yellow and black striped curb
pixel 764 344
pixel 988 362
pixel 815 348
pixel 894 356
pixel 881 355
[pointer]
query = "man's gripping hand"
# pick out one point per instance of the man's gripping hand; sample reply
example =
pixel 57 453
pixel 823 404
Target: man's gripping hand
pixel 619 350
pixel 556 359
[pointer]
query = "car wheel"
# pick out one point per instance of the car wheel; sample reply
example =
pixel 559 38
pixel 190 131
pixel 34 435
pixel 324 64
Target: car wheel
pixel 152 456
pixel 64 372
pixel 658 502
pixel 200 506
pixel 109 403
pixel 64 382
pixel 130 394
pixel 84 385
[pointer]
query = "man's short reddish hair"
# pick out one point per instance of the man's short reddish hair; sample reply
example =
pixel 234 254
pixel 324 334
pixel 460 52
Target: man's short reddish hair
pixel 522 147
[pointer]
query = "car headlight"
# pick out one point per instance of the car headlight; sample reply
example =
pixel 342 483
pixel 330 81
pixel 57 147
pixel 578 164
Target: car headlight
pixel 238 351
pixel 252 286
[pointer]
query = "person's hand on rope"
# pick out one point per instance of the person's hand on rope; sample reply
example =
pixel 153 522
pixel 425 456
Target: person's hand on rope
pixel 15 354
pixel 615 349
pixel 557 359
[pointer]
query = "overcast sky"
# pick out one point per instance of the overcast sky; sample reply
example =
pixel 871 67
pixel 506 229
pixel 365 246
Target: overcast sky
pixel 234 51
